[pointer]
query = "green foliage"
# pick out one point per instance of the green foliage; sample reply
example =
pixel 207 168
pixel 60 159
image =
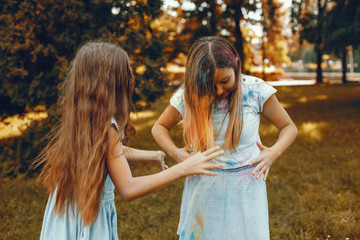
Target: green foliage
pixel 39 39
pixel 343 26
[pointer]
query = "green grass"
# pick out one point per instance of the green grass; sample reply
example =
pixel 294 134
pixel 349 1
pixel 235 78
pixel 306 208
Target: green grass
pixel 313 189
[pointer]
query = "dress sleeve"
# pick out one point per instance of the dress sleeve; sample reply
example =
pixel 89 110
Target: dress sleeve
pixel 265 91
pixel 178 101
pixel 113 121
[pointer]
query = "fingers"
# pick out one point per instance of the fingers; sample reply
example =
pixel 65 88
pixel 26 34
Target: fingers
pixel 211 150
pixel 214 166
pixel 260 146
pixel 214 155
pixel 261 172
pixel 266 173
pixel 210 173
pixel 261 169
pixel 255 160
pixel 258 168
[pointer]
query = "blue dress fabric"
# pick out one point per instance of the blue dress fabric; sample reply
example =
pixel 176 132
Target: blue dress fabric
pixel 69 226
pixel 233 204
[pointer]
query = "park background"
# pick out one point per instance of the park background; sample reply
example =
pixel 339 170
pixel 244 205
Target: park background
pixel 307 49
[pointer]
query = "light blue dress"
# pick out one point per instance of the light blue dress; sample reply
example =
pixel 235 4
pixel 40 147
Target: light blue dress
pixel 233 204
pixel 70 226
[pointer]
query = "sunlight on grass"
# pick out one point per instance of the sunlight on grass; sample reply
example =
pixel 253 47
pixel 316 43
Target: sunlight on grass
pixel 142 115
pixel 268 130
pixel 285 105
pixel 312 98
pixel 144 119
pixel 14 126
pixel 312 130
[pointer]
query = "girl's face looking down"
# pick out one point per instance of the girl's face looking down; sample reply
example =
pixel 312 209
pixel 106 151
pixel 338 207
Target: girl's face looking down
pixel 224 80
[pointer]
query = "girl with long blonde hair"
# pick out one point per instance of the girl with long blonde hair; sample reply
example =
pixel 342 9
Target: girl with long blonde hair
pixel 85 159
pixel 220 106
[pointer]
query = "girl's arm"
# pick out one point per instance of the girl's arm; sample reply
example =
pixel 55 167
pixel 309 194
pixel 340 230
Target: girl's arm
pixel 277 115
pixel 131 187
pixel 133 154
pixel 161 133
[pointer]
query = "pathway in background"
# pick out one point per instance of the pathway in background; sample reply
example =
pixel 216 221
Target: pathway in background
pixel 308 78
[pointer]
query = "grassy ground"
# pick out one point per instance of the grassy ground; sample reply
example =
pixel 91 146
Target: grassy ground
pixel 313 188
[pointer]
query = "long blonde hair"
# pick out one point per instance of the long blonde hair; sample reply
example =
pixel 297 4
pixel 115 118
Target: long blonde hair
pixel 205 56
pixel 98 87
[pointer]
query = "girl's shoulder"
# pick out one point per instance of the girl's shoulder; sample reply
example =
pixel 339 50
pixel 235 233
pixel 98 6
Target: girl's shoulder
pixel 114 122
pixel 255 84
pixel 178 100
pixel 255 92
pixel 248 80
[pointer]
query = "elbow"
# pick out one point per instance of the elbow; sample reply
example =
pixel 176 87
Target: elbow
pixel 127 197
pixel 296 131
pixel 153 130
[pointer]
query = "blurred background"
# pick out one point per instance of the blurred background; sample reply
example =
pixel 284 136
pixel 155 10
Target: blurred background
pixel 307 49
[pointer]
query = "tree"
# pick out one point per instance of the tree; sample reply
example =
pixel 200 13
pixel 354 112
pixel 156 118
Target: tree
pixel 218 18
pixel 235 10
pixel 342 29
pixel 308 19
pixel 274 46
pixel 39 38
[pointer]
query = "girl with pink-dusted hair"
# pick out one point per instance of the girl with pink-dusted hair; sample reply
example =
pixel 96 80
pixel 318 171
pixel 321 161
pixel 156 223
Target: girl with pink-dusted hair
pixel 220 106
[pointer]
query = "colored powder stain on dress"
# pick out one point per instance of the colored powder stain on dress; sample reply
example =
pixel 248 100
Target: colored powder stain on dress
pixel 251 94
pixel 182 235
pixel 192 236
pixel 245 98
pixel 230 163
pixel 199 221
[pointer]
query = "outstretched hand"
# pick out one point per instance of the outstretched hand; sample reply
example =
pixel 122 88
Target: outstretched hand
pixel 199 163
pixel 266 158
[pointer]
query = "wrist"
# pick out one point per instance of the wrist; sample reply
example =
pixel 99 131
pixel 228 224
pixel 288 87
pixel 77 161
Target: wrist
pixel 175 155
pixel 277 152
pixel 183 170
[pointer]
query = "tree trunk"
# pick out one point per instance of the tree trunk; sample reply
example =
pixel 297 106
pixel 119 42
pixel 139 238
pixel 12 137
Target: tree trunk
pixel 344 65
pixel 263 57
pixel 318 62
pixel 239 44
pixel 318 42
pixel 213 19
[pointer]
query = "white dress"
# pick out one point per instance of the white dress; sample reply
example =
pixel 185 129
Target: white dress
pixel 233 204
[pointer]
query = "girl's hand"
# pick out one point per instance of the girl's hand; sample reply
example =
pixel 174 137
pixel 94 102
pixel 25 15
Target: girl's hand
pixel 266 158
pixel 199 163
pixel 160 160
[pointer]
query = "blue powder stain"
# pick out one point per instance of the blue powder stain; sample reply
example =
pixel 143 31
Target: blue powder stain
pixel 251 94
pixel 245 98
pixel 228 162
pixel 182 235
pixel 192 237
pixel 203 83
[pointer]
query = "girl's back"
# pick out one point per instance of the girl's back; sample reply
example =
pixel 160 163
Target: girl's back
pixel 71 226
